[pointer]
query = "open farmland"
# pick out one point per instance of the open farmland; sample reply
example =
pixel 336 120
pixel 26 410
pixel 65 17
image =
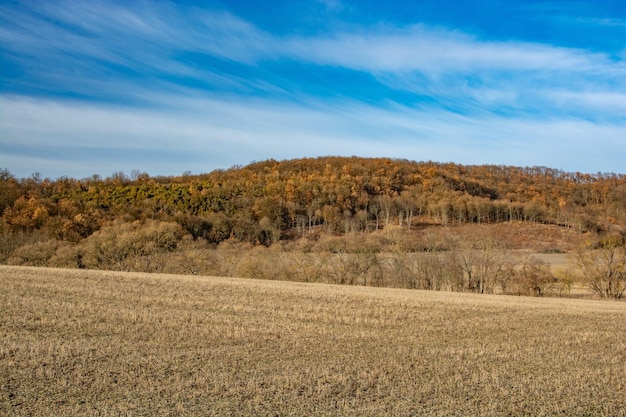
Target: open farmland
pixel 76 342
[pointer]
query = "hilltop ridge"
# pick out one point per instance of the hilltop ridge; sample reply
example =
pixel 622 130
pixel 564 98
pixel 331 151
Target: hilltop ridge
pixel 268 201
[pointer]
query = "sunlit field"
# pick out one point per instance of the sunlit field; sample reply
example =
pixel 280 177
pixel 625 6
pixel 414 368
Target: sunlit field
pixel 76 342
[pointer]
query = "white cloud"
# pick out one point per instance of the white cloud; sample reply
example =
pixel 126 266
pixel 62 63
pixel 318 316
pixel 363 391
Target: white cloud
pixel 206 134
pixel 419 48
pixel 109 30
pixel 608 102
pixel 455 69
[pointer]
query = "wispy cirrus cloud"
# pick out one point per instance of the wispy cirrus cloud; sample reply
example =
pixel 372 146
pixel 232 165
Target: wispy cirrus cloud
pixel 117 34
pixel 436 51
pixel 144 37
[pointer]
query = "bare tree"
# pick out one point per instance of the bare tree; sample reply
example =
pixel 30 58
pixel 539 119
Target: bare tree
pixel 484 264
pixel 603 267
pixel 386 205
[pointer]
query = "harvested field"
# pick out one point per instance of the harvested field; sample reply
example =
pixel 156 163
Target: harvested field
pixel 76 342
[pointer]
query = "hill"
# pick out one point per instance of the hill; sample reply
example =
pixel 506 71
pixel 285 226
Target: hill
pixel 271 200
pixel 329 204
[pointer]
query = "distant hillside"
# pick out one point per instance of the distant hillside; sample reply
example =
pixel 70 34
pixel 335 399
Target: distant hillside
pixel 272 200
pixel 355 221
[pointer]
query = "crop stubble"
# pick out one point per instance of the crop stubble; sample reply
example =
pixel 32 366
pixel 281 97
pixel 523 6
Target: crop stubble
pixel 75 342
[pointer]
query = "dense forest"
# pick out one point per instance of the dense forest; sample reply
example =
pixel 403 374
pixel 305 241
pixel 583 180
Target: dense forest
pixel 276 203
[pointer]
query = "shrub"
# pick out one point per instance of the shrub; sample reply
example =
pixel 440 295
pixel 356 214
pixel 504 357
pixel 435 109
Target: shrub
pixel 34 254
pixel 135 246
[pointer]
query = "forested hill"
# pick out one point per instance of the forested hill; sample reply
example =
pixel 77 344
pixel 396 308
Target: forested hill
pixel 272 200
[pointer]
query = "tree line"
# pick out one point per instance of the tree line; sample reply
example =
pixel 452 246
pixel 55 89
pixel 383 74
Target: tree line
pixel 312 208
pixel 269 201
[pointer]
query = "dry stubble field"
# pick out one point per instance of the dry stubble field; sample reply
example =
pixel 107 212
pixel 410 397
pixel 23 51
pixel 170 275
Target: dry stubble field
pixel 75 342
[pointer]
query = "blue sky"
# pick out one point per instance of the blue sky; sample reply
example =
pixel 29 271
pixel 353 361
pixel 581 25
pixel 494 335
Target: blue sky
pixel 95 87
